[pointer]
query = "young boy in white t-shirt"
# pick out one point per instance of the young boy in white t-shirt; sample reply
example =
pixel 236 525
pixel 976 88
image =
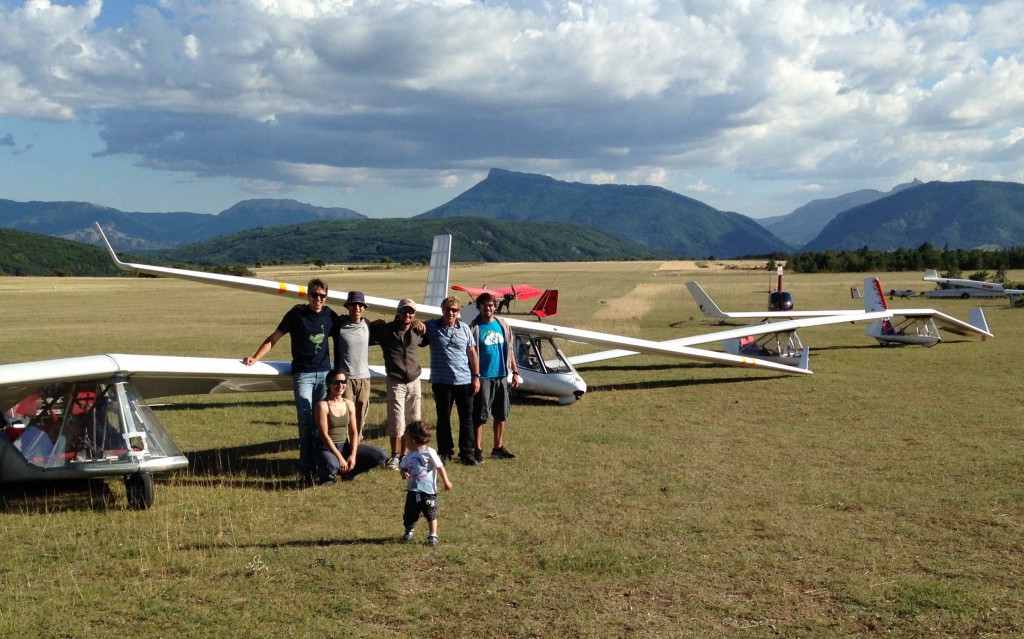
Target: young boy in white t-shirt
pixel 420 467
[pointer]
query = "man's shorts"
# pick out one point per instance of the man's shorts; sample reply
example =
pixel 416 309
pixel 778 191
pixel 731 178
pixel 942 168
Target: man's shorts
pixel 416 504
pixel 403 405
pixel 358 390
pixel 492 400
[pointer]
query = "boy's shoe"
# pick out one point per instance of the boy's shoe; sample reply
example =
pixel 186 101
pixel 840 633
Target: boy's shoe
pixel 432 540
pixel 467 458
pixel 478 455
pixel 502 453
pixel 393 462
pixel 408 534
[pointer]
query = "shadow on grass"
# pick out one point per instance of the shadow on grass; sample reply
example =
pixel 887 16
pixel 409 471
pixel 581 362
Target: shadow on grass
pixel 245 466
pixel 43 498
pixel 267 403
pixel 300 543
pixel 676 383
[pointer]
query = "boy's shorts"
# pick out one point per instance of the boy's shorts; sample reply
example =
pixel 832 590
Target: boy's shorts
pixel 416 504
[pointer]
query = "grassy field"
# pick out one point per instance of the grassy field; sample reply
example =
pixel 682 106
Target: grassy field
pixel 880 496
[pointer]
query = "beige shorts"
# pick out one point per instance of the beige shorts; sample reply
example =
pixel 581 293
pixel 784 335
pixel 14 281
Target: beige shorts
pixel 358 390
pixel 403 405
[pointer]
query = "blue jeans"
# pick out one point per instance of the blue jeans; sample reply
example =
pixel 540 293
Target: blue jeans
pixel 309 388
pixel 367 458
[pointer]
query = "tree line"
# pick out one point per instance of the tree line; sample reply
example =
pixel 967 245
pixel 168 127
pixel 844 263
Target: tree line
pixel 953 262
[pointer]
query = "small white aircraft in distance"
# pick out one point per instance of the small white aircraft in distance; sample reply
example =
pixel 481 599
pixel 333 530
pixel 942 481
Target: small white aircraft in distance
pixel 965 289
pixel 889 326
pixel 85 418
pixel 545 370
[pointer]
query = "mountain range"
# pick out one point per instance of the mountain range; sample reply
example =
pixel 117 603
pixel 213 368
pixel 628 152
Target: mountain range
pixel 595 222
pixel 805 222
pixel 473 240
pixel 650 215
pixel 973 214
pixel 146 231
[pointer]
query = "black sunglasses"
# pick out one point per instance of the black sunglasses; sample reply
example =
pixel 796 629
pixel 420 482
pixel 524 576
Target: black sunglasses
pixel 338 382
pixel 318 296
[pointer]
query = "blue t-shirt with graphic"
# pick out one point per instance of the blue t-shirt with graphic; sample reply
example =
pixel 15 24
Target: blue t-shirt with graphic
pixel 422 465
pixel 492 350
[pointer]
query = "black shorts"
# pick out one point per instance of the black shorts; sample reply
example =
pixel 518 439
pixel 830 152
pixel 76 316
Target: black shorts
pixel 416 504
pixel 491 401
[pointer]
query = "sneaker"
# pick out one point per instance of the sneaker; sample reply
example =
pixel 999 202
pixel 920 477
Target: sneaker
pixel 478 455
pixel 432 540
pixel 408 534
pixel 327 482
pixel 446 458
pixel 502 453
pixel 467 459
pixel 393 462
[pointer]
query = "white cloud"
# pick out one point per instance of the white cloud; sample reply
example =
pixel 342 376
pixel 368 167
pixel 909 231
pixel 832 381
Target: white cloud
pixel 353 92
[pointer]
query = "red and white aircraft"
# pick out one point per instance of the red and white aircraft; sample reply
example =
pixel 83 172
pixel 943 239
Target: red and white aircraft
pixel 546 306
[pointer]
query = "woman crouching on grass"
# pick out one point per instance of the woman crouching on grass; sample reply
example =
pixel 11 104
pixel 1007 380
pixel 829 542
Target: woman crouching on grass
pixel 336 422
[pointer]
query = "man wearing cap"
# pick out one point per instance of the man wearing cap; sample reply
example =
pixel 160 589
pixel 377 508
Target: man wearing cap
pixel 454 379
pixel 308 325
pixel 352 355
pixel 399 342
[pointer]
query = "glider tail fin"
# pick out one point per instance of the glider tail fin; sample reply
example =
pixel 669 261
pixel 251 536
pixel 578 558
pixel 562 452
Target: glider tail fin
pixel 874 296
pixel 976 318
pixel 547 305
pixel 437 276
pixel 930 275
pixel 704 301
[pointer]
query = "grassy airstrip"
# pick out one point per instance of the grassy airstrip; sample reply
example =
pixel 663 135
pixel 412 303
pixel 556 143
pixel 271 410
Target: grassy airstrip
pixel 881 496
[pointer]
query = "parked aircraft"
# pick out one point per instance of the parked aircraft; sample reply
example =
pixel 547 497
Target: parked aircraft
pixel 546 306
pixel 83 418
pixel 533 338
pixel 965 289
pixel 889 326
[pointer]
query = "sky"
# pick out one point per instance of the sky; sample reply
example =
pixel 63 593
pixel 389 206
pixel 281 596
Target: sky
pixel 393 107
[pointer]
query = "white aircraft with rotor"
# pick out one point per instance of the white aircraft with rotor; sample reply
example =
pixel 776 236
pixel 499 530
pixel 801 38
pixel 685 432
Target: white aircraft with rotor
pixel 888 326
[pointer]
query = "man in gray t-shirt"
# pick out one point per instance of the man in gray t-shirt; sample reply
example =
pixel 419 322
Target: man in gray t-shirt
pixel 352 355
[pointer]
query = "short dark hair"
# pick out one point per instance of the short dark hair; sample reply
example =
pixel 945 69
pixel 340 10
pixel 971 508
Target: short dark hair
pixel 316 282
pixel 337 371
pixel 485 298
pixel 419 431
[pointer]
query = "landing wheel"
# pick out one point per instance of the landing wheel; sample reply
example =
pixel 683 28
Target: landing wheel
pixel 140 490
pixel 965 296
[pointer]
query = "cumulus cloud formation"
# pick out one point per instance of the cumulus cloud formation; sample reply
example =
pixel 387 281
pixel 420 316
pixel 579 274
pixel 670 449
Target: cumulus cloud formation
pixel 421 92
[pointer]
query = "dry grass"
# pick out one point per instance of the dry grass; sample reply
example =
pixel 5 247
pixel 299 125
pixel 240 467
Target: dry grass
pixel 881 496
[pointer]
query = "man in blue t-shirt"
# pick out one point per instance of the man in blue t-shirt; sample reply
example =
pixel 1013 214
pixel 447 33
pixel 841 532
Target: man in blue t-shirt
pixel 494 350
pixel 309 325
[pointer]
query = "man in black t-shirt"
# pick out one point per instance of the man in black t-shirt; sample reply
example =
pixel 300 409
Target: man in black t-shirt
pixel 309 325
